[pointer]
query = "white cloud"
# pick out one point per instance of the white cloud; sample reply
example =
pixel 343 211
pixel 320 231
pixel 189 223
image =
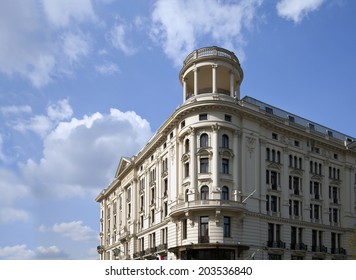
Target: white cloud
pixel 87 151
pixel 178 25
pixel 76 46
pixel 21 252
pixel 75 231
pixel 37 51
pixel 43 124
pixel 61 12
pixel 107 68
pixel 15 110
pixel 297 9
pixel 12 190
pixel 9 215
pixel 118 38
pixel 60 110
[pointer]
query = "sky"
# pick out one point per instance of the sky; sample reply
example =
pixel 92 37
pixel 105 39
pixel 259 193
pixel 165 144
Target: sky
pixel 85 82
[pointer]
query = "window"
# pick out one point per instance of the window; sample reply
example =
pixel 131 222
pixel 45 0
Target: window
pixel 186 169
pixel 187 146
pixel 203 117
pixel 296 143
pixel 291 118
pixel 224 193
pixel 204 229
pixel 227 227
pixel 164 235
pixel 204 193
pixel 152 237
pixel 225 141
pixel 311 126
pixel 294 208
pixel 204 165
pixel 228 118
pixel 152 215
pixel 269 110
pixel 204 140
pixel 274 136
pixel 182 124
pixel 165 209
pixel 315 211
pixel 225 166
pixel 184 229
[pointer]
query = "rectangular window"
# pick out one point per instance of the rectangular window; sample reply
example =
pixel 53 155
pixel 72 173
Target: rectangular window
pixel 269 110
pixel 204 165
pixel 184 229
pixel 225 166
pixel 228 118
pixel 204 229
pixel 203 117
pixel 186 169
pixel 227 227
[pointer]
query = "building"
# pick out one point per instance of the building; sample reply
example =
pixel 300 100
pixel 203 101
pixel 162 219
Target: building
pixel 231 178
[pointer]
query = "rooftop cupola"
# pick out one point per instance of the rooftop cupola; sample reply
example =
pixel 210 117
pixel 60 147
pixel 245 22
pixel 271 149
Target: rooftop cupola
pixel 211 71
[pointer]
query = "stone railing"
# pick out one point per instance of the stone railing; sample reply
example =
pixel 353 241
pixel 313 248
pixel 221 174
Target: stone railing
pixel 210 51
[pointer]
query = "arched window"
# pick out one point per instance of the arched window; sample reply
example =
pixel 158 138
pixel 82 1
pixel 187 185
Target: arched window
pixel 204 140
pixel 186 146
pixel 225 141
pixel 204 192
pixel 224 193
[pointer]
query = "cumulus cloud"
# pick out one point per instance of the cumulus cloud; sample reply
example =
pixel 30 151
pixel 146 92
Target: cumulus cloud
pixel 178 25
pixel 74 230
pixel 87 151
pixel 12 190
pixel 37 51
pixel 43 124
pixel 21 252
pixel 295 10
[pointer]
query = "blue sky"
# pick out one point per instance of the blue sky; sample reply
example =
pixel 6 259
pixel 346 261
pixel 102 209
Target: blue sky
pixel 85 82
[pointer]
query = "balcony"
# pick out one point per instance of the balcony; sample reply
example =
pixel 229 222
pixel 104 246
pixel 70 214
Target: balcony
pixel 320 249
pixel 212 204
pixel 338 251
pixel 204 239
pixel 298 246
pixel 276 244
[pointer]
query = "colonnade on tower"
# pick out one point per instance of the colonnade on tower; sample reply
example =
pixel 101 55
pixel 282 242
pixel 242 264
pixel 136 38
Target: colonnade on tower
pixel 211 70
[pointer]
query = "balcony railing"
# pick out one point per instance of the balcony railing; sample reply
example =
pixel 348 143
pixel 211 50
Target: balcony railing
pixel 321 249
pixel 209 203
pixel 298 246
pixel 338 251
pixel 203 239
pixel 276 244
pixel 210 51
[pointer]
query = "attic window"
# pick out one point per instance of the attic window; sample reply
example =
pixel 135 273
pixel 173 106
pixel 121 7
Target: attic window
pixel 291 118
pixel 269 110
pixel 311 126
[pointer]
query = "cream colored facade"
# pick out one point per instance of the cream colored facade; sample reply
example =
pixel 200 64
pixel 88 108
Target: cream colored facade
pixel 231 178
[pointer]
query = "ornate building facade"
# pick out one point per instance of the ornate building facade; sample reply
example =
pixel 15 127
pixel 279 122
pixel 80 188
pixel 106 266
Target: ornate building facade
pixel 231 178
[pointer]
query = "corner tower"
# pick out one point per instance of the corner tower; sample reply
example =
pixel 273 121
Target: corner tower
pixel 211 71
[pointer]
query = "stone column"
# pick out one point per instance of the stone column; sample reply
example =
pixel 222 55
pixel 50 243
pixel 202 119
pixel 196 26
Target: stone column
pixel 193 160
pixel 215 160
pixel 234 169
pixel 184 89
pixel 196 81
pixel 214 81
pixel 232 84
